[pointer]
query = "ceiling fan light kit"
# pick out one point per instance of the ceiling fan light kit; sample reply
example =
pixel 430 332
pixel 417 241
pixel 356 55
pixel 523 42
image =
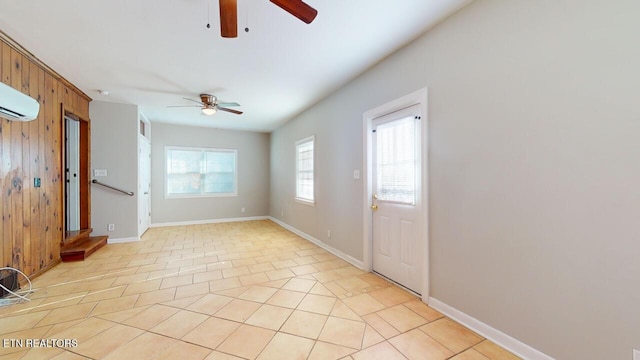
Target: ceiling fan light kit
pixel 208 111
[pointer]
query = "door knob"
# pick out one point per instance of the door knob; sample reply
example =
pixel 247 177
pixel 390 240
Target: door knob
pixel 374 207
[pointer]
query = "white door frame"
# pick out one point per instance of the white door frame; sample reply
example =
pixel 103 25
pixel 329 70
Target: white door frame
pixel 417 97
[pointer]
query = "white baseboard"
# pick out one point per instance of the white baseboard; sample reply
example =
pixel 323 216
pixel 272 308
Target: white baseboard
pixel 515 346
pixel 122 240
pixel 209 221
pixel 348 258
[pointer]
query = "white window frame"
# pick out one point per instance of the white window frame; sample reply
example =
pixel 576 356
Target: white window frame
pixel 301 199
pixel 202 150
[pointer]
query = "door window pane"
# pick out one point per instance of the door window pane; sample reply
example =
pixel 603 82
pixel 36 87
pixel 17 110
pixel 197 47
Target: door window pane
pixel 396 160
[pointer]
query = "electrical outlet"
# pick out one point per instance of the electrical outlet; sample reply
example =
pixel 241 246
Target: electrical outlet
pixel 328 233
pixel 636 354
pixel 242 210
pixel 111 227
pixel 356 174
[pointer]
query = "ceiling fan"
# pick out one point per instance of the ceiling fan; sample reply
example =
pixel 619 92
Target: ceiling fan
pixel 229 14
pixel 209 105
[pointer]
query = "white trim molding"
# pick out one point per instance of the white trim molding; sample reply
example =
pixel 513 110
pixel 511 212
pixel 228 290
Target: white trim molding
pixel 515 346
pixel 123 240
pixel 209 221
pixel 350 259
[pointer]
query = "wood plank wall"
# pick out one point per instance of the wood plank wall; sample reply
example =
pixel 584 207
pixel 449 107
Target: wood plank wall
pixel 31 229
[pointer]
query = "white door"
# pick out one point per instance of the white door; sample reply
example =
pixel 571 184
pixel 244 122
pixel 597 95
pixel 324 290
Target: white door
pixel 396 204
pixel 144 185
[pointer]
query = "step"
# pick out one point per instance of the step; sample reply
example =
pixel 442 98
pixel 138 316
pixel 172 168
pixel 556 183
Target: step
pixel 80 250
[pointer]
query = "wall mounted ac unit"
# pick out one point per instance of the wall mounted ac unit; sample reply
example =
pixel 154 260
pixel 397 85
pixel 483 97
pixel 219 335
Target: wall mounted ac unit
pixel 17 106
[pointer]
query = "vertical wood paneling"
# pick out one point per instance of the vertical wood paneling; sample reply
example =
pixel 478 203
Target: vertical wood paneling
pixel 31 229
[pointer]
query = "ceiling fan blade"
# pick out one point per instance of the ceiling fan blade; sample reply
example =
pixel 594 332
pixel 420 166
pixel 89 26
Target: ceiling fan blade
pixel 195 101
pixel 298 9
pixel 191 106
pixel 228 18
pixel 227 104
pixel 230 110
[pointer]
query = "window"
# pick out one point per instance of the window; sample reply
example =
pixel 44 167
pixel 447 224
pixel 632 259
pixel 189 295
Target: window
pixel 304 170
pixel 200 172
pixel 396 160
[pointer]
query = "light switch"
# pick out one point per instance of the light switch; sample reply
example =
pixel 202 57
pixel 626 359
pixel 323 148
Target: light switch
pixel 99 172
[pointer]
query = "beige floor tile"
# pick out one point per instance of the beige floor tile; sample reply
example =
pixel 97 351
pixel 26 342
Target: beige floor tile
pixel 416 345
pixel 179 324
pixel 184 351
pixel 392 295
pixel 68 313
pixel 326 351
pixel 493 351
pixel 42 353
pixel 304 324
pixel 235 271
pixel 320 289
pixel 382 351
pixel 21 322
pixel 402 318
pixel 176 281
pixel 269 317
pixel 285 346
pixel 120 316
pixel 353 284
pixel 224 284
pixel 343 332
pixel 211 332
pixel 113 305
pixel 98 346
pixel 286 298
pixel 275 282
pixel 237 344
pixel 341 310
pixel 470 354
pixel 363 304
pixel 280 274
pixel 151 317
pixel 237 310
pixel 192 290
pixel 371 337
pixel 301 285
pixel 380 325
pixel 209 304
pixel 156 297
pixel 207 276
pixel 258 293
pixel 317 304
pixel 141 287
pixel 215 355
pixel 303 270
pixel 451 334
pixel 145 346
pixel 423 310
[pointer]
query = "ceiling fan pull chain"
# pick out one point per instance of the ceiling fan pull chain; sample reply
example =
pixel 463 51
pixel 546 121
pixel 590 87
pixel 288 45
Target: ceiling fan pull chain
pixel 208 14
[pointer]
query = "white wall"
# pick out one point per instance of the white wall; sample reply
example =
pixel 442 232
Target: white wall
pixel 114 147
pixel 533 168
pixel 253 175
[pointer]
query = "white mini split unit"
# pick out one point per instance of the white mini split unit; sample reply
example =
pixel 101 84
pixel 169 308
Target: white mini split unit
pixel 17 106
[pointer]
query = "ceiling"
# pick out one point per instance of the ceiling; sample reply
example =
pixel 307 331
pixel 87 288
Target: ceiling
pixel 155 53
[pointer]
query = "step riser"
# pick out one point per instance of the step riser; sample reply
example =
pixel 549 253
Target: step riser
pixel 81 249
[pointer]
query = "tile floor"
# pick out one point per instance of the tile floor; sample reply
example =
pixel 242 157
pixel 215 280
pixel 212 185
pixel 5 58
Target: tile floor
pixel 247 290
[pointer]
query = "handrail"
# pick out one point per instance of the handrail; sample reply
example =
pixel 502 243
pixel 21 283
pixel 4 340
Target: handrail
pixel 130 193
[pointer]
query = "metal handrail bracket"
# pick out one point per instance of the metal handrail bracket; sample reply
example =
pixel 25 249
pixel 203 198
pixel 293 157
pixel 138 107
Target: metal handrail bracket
pixel 130 193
